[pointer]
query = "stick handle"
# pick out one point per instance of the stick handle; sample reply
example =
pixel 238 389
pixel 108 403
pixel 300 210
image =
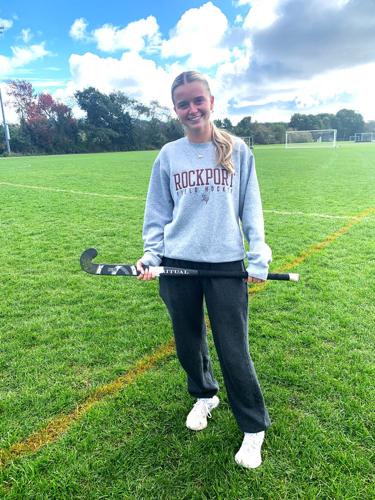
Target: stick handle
pixel 180 272
pixel 283 276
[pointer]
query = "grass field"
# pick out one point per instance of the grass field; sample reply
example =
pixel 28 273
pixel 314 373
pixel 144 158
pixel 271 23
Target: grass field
pixel 92 400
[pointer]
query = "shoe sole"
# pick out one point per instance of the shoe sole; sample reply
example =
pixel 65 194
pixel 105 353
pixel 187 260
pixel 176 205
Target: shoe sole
pixel 253 466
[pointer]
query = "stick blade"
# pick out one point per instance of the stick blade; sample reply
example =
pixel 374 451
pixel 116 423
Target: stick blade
pixel 86 261
pixel 104 269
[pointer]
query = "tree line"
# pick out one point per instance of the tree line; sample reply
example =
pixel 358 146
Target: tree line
pixel 113 122
pixel 117 122
pixel 346 121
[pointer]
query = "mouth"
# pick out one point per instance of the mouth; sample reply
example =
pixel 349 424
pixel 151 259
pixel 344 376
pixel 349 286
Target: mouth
pixel 195 119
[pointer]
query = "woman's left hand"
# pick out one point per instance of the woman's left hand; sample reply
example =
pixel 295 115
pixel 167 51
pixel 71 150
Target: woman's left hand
pixel 250 279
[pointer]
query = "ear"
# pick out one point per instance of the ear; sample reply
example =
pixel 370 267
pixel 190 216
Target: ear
pixel 212 100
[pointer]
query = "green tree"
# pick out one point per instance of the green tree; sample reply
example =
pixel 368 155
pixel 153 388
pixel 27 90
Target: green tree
pixel 277 132
pixel 46 125
pixel 243 127
pixel 97 107
pixel 370 126
pixel 348 123
pixel 20 140
pixel 304 122
pixel 224 124
pixel 227 125
pixel 326 120
pixel 23 96
pixel 261 133
pixel 173 130
pixel 108 125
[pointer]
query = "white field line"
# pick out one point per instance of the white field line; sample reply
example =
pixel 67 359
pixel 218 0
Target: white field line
pixel 123 197
pixel 304 214
pixel 71 191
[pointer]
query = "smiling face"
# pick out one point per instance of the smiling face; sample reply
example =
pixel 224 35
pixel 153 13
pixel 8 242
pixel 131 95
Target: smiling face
pixel 193 104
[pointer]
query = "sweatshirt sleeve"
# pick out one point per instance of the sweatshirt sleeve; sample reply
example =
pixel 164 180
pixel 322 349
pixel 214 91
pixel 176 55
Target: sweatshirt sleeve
pixel 158 213
pixel 251 215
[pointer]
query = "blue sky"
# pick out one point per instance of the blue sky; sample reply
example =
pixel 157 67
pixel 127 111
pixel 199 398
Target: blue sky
pixel 264 58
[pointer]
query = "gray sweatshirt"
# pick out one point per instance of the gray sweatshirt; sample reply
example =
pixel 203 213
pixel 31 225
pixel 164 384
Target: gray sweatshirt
pixel 197 211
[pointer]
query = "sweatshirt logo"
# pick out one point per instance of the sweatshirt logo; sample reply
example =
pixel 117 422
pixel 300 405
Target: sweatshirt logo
pixel 204 181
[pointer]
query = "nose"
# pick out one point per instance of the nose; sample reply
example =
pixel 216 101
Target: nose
pixel 192 108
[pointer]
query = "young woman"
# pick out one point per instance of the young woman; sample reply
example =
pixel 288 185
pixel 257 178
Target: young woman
pixel 203 197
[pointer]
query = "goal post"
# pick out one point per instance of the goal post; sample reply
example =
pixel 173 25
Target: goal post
pixel 310 138
pixel 249 140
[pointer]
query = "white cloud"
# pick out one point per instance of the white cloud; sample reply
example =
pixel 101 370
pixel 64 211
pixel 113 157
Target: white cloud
pixel 6 24
pixel 136 36
pixel 45 83
pixel 239 3
pixel 26 35
pixel 208 57
pixel 271 114
pixel 25 55
pixel 350 87
pixel 141 35
pixel 309 38
pixel 198 34
pixel 22 56
pixel 78 29
pixel 262 14
pixel 136 76
pixel 325 93
pixel 336 4
pixel 308 57
pixel 5 65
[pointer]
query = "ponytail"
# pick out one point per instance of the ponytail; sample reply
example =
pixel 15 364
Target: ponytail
pixel 224 148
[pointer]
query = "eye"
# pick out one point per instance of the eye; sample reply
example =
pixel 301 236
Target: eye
pixel 182 105
pixel 199 100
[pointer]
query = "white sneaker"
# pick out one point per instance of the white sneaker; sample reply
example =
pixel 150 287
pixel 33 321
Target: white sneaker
pixel 249 454
pixel 197 418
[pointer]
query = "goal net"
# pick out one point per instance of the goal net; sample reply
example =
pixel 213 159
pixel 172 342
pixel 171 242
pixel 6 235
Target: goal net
pixel 310 138
pixel 364 137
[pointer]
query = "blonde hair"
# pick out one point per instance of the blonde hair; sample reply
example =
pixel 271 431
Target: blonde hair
pixel 222 140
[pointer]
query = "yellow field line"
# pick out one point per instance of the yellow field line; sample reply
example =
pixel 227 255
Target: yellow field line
pixel 317 246
pixel 327 241
pixel 62 423
pixel 71 191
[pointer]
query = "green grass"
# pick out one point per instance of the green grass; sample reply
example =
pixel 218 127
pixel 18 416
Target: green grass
pixel 64 334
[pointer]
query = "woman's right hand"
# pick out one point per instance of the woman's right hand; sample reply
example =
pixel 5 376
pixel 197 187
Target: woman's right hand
pixel 145 273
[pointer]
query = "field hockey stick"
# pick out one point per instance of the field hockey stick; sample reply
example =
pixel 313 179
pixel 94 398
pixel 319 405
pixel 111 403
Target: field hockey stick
pixel 128 270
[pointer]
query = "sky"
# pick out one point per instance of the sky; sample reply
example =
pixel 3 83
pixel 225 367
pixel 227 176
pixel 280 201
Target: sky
pixel 267 59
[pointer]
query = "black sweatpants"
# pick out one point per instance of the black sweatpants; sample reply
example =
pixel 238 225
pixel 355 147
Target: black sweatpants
pixel 227 305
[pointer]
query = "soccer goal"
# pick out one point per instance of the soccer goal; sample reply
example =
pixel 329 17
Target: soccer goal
pixel 249 140
pixel 364 137
pixel 310 138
